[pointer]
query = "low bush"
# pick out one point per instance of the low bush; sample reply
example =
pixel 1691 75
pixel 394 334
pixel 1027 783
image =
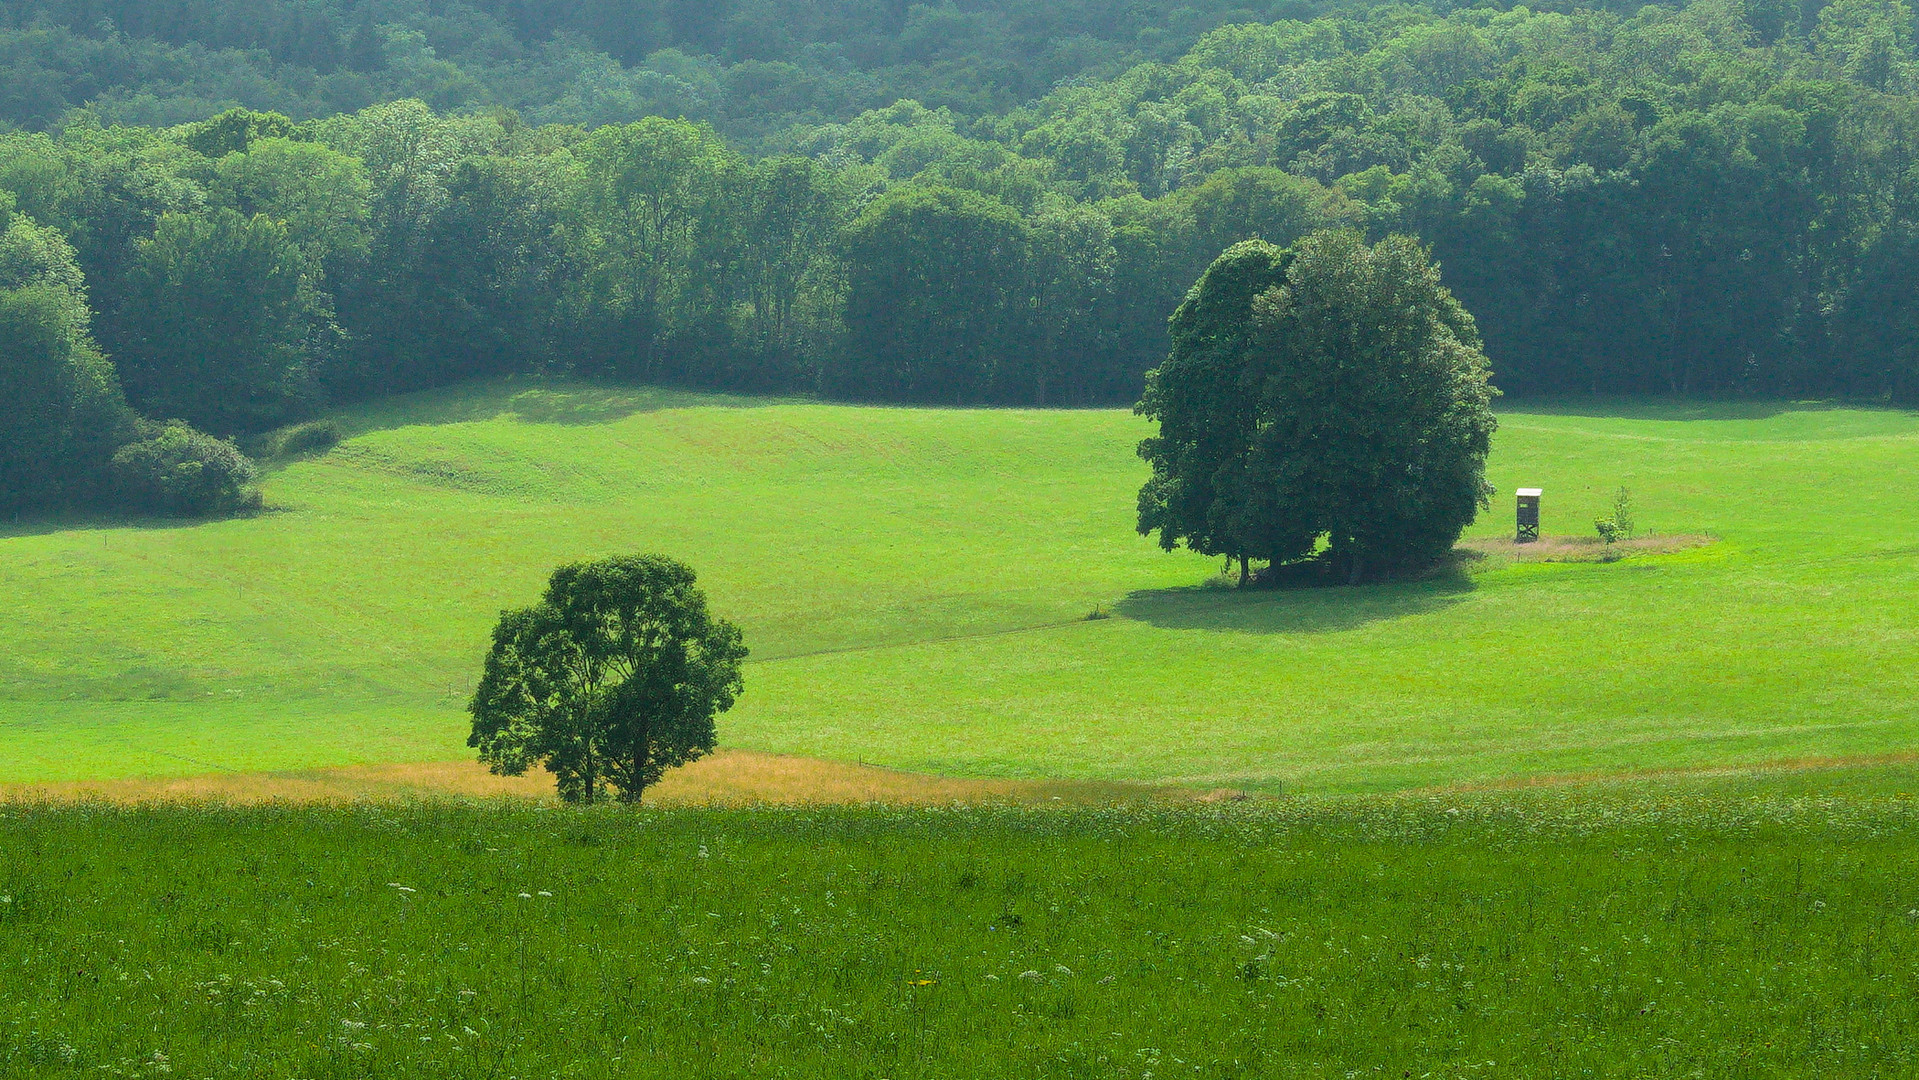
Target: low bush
pixel 178 471
pixel 318 436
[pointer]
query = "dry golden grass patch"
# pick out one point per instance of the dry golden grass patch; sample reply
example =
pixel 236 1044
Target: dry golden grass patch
pixel 727 777
pixel 1766 770
pixel 1583 548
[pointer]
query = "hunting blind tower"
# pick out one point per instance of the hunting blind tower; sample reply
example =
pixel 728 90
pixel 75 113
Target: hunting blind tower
pixel 1528 515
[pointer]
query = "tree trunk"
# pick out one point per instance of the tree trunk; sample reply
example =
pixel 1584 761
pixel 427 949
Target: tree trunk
pixel 639 775
pixel 1359 568
pixel 1245 573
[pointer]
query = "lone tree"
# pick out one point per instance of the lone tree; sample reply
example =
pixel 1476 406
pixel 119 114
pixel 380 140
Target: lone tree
pixel 1332 391
pixel 612 679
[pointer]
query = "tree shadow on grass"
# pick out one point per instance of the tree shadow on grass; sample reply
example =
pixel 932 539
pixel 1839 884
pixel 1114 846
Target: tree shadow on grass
pixel 526 399
pixel 1296 610
pixel 531 400
pixel 1607 406
pixel 46 523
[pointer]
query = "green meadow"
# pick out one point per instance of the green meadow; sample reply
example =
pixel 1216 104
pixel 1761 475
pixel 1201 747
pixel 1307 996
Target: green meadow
pixel 1756 927
pixel 914 586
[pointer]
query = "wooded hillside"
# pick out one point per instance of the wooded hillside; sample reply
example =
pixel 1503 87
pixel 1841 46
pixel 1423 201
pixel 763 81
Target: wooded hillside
pixel 1714 201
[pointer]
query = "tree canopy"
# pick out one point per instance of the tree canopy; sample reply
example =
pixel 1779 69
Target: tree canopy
pixel 64 414
pixel 1205 400
pixel 612 679
pixel 1330 393
pixel 934 298
pixel 753 66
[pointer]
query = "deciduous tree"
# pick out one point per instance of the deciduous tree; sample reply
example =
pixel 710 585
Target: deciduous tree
pixel 1205 401
pixel 612 679
pixel 935 280
pixel 63 413
pixel 1333 393
pixel 222 324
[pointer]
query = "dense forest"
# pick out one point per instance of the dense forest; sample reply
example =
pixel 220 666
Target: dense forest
pixel 751 67
pixel 1711 201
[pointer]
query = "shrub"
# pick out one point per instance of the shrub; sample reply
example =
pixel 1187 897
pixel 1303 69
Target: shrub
pixel 178 471
pixel 320 435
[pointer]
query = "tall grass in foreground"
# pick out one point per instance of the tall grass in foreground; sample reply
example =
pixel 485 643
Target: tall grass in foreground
pixel 1490 935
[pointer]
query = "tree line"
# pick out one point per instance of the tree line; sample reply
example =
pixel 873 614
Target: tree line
pixel 1711 201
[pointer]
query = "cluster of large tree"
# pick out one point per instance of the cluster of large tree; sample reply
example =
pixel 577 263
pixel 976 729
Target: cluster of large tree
pixel 1328 400
pixel 67 436
pixel 1715 200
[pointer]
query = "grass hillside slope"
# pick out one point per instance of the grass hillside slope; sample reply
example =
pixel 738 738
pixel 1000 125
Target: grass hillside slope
pixel 913 584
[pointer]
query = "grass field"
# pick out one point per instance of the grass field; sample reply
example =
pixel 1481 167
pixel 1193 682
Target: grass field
pixel 1066 883
pixel 913 583
pixel 1744 927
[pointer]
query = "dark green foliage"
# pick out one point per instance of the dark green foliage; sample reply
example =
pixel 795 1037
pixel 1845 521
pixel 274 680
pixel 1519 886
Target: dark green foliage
pixel 1330 392
pixel 613 678
pixel 320 194
pixel 62 412
pixel 757 66
pixel 935 295
pixel 234 132
pixel 1205 398
pixel 1234 204
pixel 491 265
pixel 221 324
pixel 176 471
pixel 67 437
pixel 647 192
pixel 784 232
pixel 1374 410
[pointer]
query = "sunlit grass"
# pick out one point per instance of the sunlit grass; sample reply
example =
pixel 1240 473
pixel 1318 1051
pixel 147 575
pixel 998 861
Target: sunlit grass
pixel 913 584
pixel 1747 926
